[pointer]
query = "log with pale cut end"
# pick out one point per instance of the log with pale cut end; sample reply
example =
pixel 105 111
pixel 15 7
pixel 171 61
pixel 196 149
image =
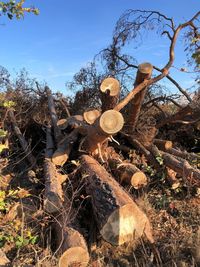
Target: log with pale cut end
pixel 110 90
pixel 4 261
pixel 73 248
pixel 118 217
pixel 163 144
pixel 130 174
pixel 90 116
pixel 62 124
pixel 61 155
pixel 144 72
pixel 110 122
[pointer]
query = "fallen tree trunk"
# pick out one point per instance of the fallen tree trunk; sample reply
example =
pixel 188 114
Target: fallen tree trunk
pixel 61 155
pixel 144 73
pixel 109 123
pixel 118 217
pixel 53 195
pixel 22 140
pixel 110 90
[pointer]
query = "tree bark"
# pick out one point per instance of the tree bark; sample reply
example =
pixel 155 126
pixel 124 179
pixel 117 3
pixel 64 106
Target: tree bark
pixel 118 217
pixel 144 73
pixel 110 90
pixel 53 195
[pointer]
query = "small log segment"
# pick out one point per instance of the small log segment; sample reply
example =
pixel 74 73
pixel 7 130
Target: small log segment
pixel 110 90
pixel 118 217
pixel 90 116
pixel 22 140
pixel 53 195
pixel 53 115
pixel 163 144
pixel 126 172
pixel 61 155
pixel 109 123
pixel 71 245
pixel 144 73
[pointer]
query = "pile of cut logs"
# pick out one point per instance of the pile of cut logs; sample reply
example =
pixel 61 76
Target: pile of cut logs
pixel 118 218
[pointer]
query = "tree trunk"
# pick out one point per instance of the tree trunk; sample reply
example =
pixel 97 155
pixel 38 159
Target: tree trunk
pixel 118 217
pixel 109 123
pixel 144 72
pixel 110 90
pixel 53 195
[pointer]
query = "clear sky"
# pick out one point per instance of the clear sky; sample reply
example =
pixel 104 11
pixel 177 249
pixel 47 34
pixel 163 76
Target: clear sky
pixel 67 34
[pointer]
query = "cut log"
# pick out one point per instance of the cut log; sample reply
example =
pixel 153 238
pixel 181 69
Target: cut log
pixel 171 177
pixel 163 144
pixel 4 261
pixel 126 172
pixel 109 123
pixel 181 154
pixel 72 247
pixel 62 124
pixel 90 116
pixel 144 73
pixel 110 90
pixel 53 195
pixel 22 140
pixel 61 155
pixel 53 115
pixel 118 217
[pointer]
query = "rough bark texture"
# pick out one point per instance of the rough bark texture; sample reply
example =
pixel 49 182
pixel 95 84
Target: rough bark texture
pixel 109 123
pixel 118 217
pixel 144 72
pixel 53 195
pixel 110 90
pixel 61 155
pixel 22 140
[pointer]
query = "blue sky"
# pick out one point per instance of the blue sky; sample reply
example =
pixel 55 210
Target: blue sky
pixel 67 34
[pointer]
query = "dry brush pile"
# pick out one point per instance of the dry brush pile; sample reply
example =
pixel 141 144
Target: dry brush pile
pixel 84 173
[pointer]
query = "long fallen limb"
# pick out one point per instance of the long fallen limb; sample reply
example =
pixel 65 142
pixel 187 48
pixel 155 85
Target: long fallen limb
pixel 53 195
pixel 22 140
pixel 118 217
